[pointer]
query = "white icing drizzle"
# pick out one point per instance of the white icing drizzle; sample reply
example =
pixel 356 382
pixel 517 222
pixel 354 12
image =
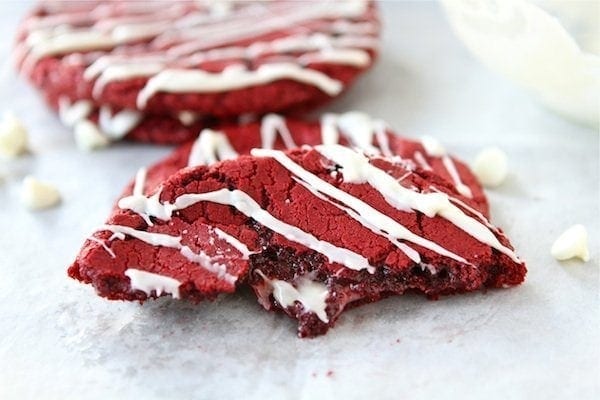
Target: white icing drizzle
pixel 104 246
pixel 433 148
pixel 140 182
pixel 117 125
pixel 182 36
pixel 311 294
pixel 147 207
pixel 272 125
pixel 358 129
pixel 354 57
pixel 422 161
pixel 373 219
pixel 114 73
pixel 110 126
pixel 249 207
pixel 458 184
pixel 407 250
pixel 197 81
pixel 210 147
pixel 473 211
pixel 149 282
pixel 357 169
pixel 71 113
pixel 239 246
pixel 174 242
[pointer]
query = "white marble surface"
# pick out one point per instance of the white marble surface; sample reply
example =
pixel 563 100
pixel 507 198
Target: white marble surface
pixel 540 340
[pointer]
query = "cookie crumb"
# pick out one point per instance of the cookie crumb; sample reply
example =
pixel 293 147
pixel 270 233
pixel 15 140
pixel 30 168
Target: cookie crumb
pixel 13 136
pixel 88 137
pixel 573 243
pixel 490 166
pixel 38 195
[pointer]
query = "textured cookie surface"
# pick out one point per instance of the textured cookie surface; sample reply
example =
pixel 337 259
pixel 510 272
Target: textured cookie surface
pixel 215 59
pixel 313 230
pixel 355 129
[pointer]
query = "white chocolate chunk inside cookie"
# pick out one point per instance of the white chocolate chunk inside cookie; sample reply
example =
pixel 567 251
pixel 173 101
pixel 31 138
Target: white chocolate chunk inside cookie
pixel 13 136
pixel 573 243
pixel 491 166
pixel 88 137
pixel 37 195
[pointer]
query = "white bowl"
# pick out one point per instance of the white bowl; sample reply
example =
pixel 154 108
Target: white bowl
pixel 524 42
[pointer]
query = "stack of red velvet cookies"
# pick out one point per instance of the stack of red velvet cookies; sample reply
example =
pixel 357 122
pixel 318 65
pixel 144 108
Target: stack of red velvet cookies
pixel 317 217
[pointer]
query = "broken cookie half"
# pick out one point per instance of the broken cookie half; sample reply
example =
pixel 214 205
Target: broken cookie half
pixel 313 230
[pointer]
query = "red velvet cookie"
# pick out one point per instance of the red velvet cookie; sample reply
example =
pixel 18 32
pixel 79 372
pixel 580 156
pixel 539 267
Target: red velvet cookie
pixel 354 129
pixel 314 231
pixel 216 59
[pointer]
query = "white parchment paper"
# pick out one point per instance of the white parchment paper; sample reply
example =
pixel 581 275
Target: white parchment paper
pixel 59 340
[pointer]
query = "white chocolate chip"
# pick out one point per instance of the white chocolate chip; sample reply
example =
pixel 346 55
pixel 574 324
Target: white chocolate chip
pixel 433 147
pixel 572 243
pixel 490 167
pixel 187 118
pixel 39 195
pixel 88 137
pixel 13 136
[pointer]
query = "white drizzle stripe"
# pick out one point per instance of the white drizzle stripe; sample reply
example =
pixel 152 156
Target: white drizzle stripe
pixel 180 36
pixel 345 51
pixel 114 73
pixel 147 207
pixel 196 81
pixel 383 140
pixel 151 207
pixel 422 161
pixel 249 207
pixel 356 168
pixel 434 148
pixel 458 184
pixel 117 125
pixel 473 211
pixel 239 246
pixel 149 282
pixel 140 182
pixel 174 242
pixel 71 113
pixel 104 246
pixel 375 219
pixel 358 129
pixel 407 250
pixel 210 147
pixel 271 125
pixel 232 30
